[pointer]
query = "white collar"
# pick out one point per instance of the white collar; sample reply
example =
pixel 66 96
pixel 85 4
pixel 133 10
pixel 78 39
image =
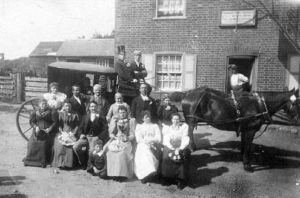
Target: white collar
pixel 144 97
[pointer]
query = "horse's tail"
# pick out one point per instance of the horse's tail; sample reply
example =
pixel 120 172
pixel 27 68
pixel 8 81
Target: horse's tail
pixel 177 96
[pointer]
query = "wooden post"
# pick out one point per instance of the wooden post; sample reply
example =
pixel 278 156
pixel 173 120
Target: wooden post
pixel 20 87
pixel 15 92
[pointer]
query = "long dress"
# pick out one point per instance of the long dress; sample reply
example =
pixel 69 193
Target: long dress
pixel 145 162
pixel 119 154
pixel 175 165
pixel 39 144
pixel 63 150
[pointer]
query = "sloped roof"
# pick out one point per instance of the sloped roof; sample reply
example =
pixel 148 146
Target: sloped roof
pixel 83 67
pixel 91 47
pixel 46 48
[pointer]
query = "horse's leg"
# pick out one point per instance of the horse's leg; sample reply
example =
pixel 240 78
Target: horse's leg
pixel 242 144
pixel 247 149
pixel 192 145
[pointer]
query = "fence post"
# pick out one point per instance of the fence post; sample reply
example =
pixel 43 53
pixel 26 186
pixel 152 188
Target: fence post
pixel 20 87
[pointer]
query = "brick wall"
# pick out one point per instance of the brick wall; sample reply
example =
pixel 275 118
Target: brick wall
pixel 201 34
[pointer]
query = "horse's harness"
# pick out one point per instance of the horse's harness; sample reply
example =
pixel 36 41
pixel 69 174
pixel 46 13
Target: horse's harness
pixel 261 104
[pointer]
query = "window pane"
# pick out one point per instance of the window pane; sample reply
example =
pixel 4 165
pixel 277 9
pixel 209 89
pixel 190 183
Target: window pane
pixel 169 72
pixel 170 8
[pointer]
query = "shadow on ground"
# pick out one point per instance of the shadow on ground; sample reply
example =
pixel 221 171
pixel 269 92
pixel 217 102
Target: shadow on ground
pixel 264 158
pixel 9 181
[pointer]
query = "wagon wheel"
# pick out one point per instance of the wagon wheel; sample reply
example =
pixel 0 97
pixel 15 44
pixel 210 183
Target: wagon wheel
pixel 23 117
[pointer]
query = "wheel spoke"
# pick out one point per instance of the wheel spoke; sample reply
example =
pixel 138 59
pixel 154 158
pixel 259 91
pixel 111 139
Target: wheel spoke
pixel 32 105
pixel 23 123
pixel 24 116
pixel 27 130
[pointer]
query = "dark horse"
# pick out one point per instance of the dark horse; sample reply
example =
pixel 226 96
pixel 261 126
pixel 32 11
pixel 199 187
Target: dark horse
pixel 218 109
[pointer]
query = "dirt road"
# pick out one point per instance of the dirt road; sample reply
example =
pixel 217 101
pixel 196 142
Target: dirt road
pixel 215 170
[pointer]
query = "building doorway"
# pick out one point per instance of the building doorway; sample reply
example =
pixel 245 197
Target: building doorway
pixel 246 66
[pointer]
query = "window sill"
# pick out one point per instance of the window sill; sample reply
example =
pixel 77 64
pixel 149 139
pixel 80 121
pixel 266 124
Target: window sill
pixel 171 17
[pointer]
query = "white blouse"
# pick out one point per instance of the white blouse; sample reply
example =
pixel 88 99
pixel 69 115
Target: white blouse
pixel 55 101
pixel 147 133
pixel 176 137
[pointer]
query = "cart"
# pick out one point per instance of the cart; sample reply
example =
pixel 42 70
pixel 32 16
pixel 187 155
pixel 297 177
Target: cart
pixel 66 74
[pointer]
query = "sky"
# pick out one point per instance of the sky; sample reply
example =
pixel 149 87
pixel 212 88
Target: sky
pixel 25 23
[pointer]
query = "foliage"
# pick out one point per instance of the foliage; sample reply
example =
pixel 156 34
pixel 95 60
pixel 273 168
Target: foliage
pixel 16 65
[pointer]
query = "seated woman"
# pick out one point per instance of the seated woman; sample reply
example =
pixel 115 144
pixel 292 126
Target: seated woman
pixel 64 141
pixel 44 123
pixel 119 154
pixel 176 155
pixel 148 137
pixel 114 108
pixel 55 98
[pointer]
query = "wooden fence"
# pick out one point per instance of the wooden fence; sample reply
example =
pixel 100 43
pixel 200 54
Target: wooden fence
pixel 7 87
pixel 35 87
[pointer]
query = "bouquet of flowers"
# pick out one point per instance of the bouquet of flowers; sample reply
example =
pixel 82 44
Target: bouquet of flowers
pixel 67 138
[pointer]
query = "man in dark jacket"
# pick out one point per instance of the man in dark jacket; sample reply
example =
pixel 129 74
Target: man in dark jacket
pixel 138 67
pixel 78 101
pixel 126 81
pixel 143 102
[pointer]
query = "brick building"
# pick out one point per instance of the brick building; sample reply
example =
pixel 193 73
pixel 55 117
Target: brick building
pixel 189 43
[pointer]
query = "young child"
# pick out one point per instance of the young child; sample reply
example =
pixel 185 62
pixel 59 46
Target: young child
pixel 114 108
pixel 97 161
pixel 166 110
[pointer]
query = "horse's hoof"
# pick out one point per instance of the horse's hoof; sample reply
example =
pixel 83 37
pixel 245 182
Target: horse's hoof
pixel 248 168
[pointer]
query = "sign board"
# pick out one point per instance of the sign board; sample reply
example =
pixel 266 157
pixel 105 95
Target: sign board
pixel 238 18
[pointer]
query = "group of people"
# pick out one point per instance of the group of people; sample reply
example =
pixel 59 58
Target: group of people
pixel 115 141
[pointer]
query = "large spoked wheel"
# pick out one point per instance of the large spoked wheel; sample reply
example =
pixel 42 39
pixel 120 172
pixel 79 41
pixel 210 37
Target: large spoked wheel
pixel 23 117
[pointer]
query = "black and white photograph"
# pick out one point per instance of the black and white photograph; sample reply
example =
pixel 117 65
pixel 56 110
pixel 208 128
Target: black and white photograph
pixel 149 98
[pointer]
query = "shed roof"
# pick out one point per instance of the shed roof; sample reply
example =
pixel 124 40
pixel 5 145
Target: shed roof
pixel 46 48
pixel 83 67
pixel 91 47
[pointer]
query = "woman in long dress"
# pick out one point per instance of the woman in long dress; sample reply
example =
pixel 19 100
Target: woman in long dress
pixel 148 137
pixel 64 141
pixel 176 155
pixel 44 123
pixel 119 154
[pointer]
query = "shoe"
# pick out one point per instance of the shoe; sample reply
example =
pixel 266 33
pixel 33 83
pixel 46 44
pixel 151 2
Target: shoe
pixel 248 168
pixel 143 181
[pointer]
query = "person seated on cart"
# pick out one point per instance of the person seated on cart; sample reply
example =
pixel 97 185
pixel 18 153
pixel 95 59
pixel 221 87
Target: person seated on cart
pixel 127 83
pixel 103 104
pixel 93 127
pixel 87 89
pixel 139 69
pixel 65 139
pixel 55 98
pixel 78 101
pixel 44 122
pixel 114 108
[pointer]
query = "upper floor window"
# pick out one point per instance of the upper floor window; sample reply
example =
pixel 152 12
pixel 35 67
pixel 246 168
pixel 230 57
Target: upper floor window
pixel 170 8
pixel 293 72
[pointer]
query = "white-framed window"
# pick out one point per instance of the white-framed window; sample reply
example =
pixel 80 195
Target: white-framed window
pixel 293 73
pixel 169 72
pixel 170 8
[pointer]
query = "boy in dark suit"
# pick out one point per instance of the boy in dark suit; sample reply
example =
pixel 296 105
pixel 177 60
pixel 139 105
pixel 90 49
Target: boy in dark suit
pixel 93 128
pixel 97 161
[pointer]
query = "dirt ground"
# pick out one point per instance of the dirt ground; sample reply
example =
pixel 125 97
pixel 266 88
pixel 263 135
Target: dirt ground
pixel 215 170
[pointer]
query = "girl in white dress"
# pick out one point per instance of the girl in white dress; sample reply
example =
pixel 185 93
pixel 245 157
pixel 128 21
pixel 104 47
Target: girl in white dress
pixel 148 137
pixel 55 98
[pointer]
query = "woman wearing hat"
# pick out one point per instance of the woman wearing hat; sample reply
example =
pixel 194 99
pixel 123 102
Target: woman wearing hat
pixel 237 80
pixel 55 98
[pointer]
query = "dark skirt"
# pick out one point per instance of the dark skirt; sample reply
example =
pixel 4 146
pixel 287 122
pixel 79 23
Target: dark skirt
pixel 38 151
pixel 63 155
pixel 174 170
